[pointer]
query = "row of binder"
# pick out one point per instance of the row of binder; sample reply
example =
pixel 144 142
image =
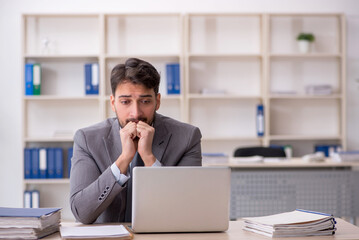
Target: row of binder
pixel 92 78
pixel 40 163
pixel 32 199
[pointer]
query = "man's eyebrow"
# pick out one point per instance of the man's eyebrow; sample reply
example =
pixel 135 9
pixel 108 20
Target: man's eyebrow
pixel 141 96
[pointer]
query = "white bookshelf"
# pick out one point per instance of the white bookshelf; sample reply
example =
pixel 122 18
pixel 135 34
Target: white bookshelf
pixel 249 59
pixel 299 117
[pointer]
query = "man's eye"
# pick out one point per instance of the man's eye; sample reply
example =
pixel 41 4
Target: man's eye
pixel 124 102
pixel 146 101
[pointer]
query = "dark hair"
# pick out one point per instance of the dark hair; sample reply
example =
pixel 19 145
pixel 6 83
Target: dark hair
pixel 135 71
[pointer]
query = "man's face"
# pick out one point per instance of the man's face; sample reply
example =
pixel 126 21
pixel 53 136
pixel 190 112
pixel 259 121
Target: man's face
pixel 134 102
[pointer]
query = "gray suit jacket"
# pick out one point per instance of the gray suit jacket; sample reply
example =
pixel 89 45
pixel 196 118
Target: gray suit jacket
pixel 95 195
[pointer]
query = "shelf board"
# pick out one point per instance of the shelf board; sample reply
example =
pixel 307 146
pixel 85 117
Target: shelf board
pixel 232 138
pixel 305 55
pixel 223 96
pixel 65 138
pixel 66 98
pixel 65 56
pixel 47 181
pixel 303 96
pixel 303 137
pixel 224 55
pixel 163 97
pixel 151 56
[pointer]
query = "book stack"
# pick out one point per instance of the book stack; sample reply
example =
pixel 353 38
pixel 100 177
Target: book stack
pixel 28 223
pixel 92 78
pixel 298 223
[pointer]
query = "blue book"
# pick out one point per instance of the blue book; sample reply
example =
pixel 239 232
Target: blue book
pixel 35 163
pixel 59 163
pixel 42 163
pixel 173 78
pixel 260 120
pixel 29 89
pixel 69 156
pixel 51 163
pixel 27 163
pixel 91 78
pixel 27 212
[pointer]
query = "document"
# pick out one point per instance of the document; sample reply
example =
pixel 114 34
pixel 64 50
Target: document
pixel 96 232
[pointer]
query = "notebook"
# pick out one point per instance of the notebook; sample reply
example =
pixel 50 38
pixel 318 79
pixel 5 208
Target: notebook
pixel 180 199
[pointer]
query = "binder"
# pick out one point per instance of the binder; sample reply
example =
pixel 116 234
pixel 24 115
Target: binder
pixel 35 163
pixel 59 163
pixel 91 78
pixel 173 78
pixel 27 163
pixel 69 156
pixel 260 120
pixel 95 78
pixel 27 199
pixel 51 163
pixel 37 79
pixel 42 163
pixel 29 79
pixel 35 199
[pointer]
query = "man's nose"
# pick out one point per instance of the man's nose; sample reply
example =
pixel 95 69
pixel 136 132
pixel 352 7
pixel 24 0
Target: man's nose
pixel 136 111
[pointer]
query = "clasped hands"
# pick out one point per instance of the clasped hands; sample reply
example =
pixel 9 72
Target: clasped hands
pixel 136 137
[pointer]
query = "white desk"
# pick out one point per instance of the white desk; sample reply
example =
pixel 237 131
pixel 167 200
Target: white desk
pixel 266 188
pixel 235 232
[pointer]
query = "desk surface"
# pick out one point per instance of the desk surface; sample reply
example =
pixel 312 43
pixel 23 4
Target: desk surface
pixel 345 231
pixel 284 163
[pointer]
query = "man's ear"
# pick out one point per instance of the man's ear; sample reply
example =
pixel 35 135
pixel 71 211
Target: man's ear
pixel 112 100
pixel 158 101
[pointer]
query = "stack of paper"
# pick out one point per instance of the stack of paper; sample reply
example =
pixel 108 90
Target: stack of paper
pixel 297 223
pixel 95 232
pixel 28 223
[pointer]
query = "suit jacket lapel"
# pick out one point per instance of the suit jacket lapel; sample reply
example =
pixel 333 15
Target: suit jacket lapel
pixel 112 142
pixel 161 138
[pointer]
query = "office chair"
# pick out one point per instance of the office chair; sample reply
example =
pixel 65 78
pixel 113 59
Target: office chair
pixel 259 151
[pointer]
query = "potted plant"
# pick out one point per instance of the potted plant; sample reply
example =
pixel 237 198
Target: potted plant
pixel 304 41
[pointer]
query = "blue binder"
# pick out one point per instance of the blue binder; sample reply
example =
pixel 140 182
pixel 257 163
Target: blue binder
pixel 69 156
pixel 173 78
pixel 51 163
pixel 27 199
pixel 42 163
pixel 91 78
pixel 260 120
pixel 59 163
pixel 29 89
pixel 27 163
pixel 35 163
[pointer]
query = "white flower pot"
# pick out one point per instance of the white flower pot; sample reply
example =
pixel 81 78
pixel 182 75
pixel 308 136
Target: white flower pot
pixel 304 46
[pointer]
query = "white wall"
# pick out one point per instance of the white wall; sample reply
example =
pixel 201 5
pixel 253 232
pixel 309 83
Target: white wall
pixel 10 60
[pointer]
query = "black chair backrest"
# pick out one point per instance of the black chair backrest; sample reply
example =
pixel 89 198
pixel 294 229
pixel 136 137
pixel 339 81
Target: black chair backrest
pixel 259 151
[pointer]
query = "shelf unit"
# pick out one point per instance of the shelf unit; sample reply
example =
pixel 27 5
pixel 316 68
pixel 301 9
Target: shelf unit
pixel 224 53
pixel 300 118
pixel 249 59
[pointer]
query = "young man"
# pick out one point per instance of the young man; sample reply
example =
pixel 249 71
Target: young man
pixel 105 153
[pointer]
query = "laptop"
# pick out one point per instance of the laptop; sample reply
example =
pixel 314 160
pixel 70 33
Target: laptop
pixel 180 199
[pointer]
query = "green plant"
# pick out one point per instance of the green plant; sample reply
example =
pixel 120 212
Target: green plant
pixel 306 36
